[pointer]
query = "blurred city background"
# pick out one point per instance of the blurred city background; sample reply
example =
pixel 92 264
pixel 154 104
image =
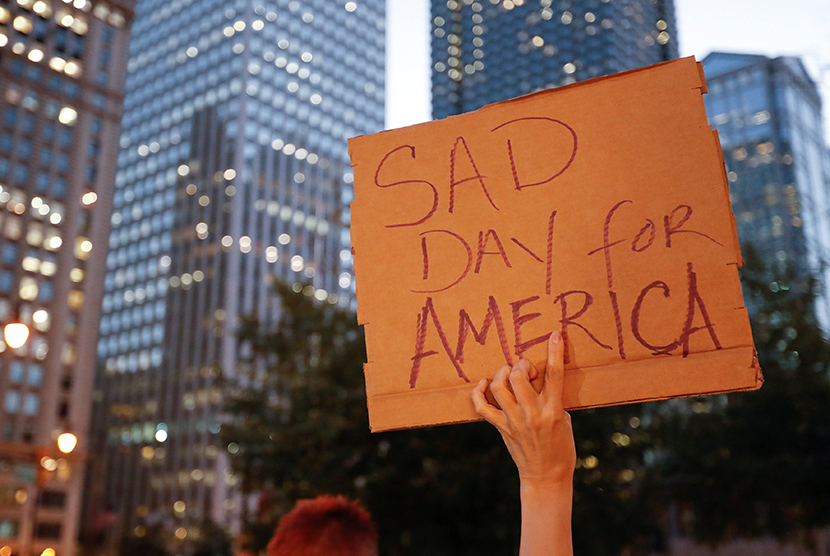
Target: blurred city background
pixel 181 360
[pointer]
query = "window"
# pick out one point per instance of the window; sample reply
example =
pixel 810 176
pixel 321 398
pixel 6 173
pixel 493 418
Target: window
pixel 31 404
pixel 49 530
pixel 9 253
pixel 12 401
pixel 35 377
pixel 16 372
pixel 5 282
pixel 8 528
pixel 52 499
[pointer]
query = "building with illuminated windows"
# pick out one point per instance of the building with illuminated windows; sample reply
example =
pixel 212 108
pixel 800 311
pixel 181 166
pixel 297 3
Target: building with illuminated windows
pixel 768 115
pixel 233 168
pixel 62 69
pixel 485 51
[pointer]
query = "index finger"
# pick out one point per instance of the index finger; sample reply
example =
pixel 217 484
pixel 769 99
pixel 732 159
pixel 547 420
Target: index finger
pixel 555 372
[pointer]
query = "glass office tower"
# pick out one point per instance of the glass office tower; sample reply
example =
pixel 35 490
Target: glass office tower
pixel 768 114
pixel 485 51
pixel 234 167
pixel 62 68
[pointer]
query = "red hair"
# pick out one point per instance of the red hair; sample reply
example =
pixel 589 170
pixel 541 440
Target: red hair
pixel 325 526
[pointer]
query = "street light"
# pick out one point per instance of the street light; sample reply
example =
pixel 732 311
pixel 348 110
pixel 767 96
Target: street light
pixel 67 442
pixel 15 334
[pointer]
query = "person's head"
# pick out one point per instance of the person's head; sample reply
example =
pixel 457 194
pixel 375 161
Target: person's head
pixel 325 526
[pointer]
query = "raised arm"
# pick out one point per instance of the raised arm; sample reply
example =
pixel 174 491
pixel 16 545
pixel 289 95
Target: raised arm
pixel 539 437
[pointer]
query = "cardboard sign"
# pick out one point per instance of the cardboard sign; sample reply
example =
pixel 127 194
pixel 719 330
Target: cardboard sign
pixel 600 209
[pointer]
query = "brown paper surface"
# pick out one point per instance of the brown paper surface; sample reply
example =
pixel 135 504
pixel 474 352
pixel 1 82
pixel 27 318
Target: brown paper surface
pixel 600 209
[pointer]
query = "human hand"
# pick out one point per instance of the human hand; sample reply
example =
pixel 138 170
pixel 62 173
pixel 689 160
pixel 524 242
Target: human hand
pixel 535 427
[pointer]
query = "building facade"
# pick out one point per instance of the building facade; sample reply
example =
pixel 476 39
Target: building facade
pixel 485 51
pixel 768 115
pixel 62 69
pixel 233 168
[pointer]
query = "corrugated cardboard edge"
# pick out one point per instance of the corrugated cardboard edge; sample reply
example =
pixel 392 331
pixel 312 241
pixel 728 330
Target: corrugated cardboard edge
pixel 728 370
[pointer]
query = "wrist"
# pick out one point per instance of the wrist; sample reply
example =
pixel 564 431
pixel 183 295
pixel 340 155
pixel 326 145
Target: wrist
pixel 543 486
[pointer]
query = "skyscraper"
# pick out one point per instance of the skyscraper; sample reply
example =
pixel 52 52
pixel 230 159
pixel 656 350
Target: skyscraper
pixel 768 115
pixel 234 167
pixel 62 68
pixel 485 51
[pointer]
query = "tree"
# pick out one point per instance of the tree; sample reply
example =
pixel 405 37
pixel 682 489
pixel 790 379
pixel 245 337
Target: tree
pixel 752 464
pixel 299 423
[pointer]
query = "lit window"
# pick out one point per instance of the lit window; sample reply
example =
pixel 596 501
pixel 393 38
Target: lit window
pixel 245 244
pixel 36 55
pixel 82 248
pixel 297 263
pixel 68 116
pixel 31 264
pixel 76 299
pixel 52 242
pixel 28 288
pixel 271 254
pixel 79 26
pixel 72 69
pixel 22 24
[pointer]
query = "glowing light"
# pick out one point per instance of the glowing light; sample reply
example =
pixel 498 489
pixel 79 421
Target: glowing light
pixel 351 6
pixel 67 442
pixel 35 55
pixel 297 263
pixel 15 334
pixel 22 24
pixel 271 254
pixel 72 69
pixel 161 435
pixel 68 116
pixel 89 197
pixel 48 463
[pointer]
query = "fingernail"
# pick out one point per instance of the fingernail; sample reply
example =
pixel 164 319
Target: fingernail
pixel 482 381
pixel 555 337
